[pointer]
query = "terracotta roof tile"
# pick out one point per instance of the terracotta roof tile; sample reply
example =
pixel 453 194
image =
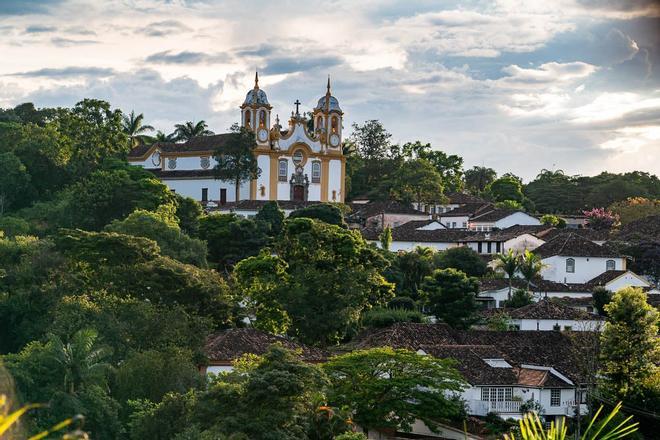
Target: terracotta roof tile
pixel 572 245
pixel 549 309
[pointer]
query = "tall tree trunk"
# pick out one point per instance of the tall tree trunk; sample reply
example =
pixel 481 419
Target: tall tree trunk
pixel 238 190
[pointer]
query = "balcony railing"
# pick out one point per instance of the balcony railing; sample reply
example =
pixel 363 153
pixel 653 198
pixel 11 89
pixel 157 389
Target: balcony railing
pixel 481 407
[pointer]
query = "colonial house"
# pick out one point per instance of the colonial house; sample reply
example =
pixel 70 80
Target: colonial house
pixel 570 258
pixel 412 234
pixel 552 315
pixel 382 214
pixel 454 200
pixel 501 219
pixel 224 347
pixel 296 163
pixel 504 370
pixel 459 217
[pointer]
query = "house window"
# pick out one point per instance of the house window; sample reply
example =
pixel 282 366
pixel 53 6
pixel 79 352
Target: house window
pixel 555 397
pixel 334 195
pixel 496 394
pixel 316 172
pixel 570 265
pixel 568 328
pixel 490 249
pixel 497 247
pixel 432 209
pixel 480 248
pixel 205 194
pixel 610 265
pixel 282 170
pixel 464 225
pixel 453 224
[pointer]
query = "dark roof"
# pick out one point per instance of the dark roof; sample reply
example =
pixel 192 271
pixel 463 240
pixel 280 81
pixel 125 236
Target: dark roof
pixel 518 230
pixel 459 198
pixel 228 345
pixel 646 229
pixel 468 209
pixel 549 309
pixel 370 209
pixel 572 245
pixel 606 277
pixel 409 231
pixel 471 364
pixel 589 234
pixel 499 283
pixel 196 144
pixel 494 215
pixel 407 335
pixel 541 285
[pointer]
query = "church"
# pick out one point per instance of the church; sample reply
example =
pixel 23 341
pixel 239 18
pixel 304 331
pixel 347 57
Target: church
pixel 300 163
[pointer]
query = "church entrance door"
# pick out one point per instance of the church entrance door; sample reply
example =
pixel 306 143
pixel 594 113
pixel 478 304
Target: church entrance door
pixel 299 193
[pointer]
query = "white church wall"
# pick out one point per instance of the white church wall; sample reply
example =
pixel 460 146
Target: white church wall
pixel 193 188
pixel 334 181
pixel 188 163
pixel 586 268
pixel 263 162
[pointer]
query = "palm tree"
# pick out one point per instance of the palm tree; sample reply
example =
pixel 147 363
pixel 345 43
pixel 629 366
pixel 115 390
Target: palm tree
pixel 162 137
pixel 477 178
pixel 530 266
pixel 191 129
pixel 134 129
pixel 81 359
pixel 508 263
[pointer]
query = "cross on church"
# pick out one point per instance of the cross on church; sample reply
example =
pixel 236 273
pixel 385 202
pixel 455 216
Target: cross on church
pixel 297 103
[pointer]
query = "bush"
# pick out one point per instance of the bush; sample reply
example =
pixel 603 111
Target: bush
pixel 13 226
pixel 351 436
pixel 380 317
pixel 402 302
pixel 519 298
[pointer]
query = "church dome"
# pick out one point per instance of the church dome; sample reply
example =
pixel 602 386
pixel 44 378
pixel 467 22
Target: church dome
pixel 256 96
pixel 334 104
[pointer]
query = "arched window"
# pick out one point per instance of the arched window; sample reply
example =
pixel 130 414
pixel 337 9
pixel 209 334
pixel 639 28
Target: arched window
pixel 247 118
pixel 610 265
pixel 262 118
pixel 282 170
pixel 570 265
pixel 319 122
pixel 316 172
pixel 335 124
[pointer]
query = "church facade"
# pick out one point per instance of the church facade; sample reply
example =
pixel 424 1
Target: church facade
pixel 297 164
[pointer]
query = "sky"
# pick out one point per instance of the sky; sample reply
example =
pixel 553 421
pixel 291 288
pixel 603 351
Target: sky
pixel 516 85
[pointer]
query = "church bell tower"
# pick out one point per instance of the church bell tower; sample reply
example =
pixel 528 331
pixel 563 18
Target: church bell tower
pixel 328 121
pixel 255 113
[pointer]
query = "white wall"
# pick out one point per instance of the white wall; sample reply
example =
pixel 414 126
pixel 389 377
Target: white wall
pixel 501 295
pixel 522 242
pixel 193 188
pixel 394 220
pixel 334 182
pixel 411 245
pixel 263 162
pixel 586 268
pixel 517 218
pixel 549 324
pixel 461 222
pixel 626 280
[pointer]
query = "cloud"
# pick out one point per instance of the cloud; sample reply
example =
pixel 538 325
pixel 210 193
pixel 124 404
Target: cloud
pixel 65 72
pixel 163 28
pixel 37 29
pixel 187 57
pixel 548 73
pixel 67 42
pixel 279 65
pixel 623 8
pixel 23 7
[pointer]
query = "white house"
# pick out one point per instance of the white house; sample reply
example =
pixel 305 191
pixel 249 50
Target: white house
pixel 570 259
pixel 551 315
pixel 381 214
pixel 419 233
pixel 501 219
pixel 296 164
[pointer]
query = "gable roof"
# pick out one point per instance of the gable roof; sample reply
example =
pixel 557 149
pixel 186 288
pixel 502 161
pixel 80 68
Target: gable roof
pixel 548 309
pixel 201 144
pixel 410 231
pixel 495 215
pixel 228 345
pixel 646 229
pixel 407 335
pixel 572 245
pixel 370 209
pixel 589 234
pixel 469 209
pixel 471 364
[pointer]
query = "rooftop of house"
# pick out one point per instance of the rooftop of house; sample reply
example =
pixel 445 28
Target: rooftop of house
pixel 410 231
pixel 573 245
pixel 646 229
pixel 230 344
pixel 494 215
pixel 551 310
pixel 370 209
pixel 196 144
pixel 589 234
pixel 469 209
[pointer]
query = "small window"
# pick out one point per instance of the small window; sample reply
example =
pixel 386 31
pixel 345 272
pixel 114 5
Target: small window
pixel 555 397
pixel 610 265
pixel 247 118
pixel 453 224
pixel 335 124
pixel 464 225
pixel 570 265
pixel 298 157
pixel 262 118
pixel 316 172
pixel 282 170
pixel 568 328
pixel 555 327
pixel 334 195
pixel 205 194
pixel 262 190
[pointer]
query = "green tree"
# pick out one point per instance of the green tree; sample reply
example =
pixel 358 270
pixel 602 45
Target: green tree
pixel 510 204
pixel 371 139
pixel 326 212
pixel 162 227
pixel 14 182
pixel 601 297
pixel 236 159
pixel 450 295
pixel 81 360
pixel 318 267
pixel 462 258
pixel 477 178
pixel 630 348
pixel 189 212
pixel 530 267
pixel 509 263
pixel 550 220
pixel 635 208
pixel 272 216
pixel 385 238
pixel 506 188
pixel 408 270
pixel 417 181
pixel 388 388
pixel 555 192
pixel 190 129
pixel 135 129
pixel 230 238
pixel 520 298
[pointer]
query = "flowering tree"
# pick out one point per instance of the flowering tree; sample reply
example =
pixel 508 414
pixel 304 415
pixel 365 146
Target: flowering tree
pixel 601 219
